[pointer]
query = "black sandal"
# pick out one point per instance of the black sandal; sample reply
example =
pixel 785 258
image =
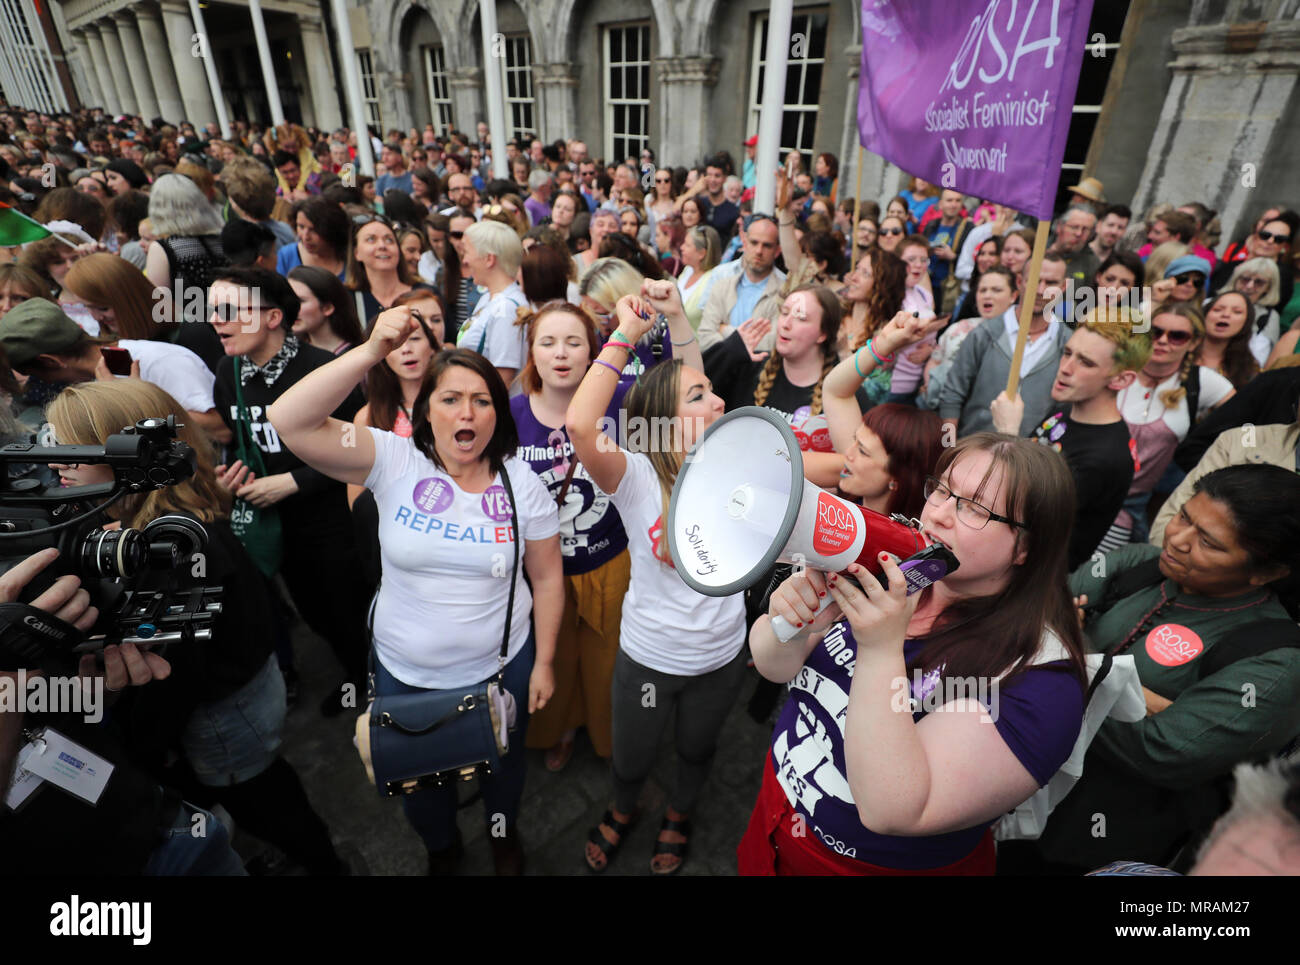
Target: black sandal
pixel 608 848
pixel 678 849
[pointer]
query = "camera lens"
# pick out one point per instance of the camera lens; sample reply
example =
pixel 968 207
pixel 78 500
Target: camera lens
pixel 113 553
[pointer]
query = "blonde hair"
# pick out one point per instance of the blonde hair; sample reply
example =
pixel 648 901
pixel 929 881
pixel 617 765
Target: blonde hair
pixel 495 238
pixel 1120 326
pixel 609 279
pixel 1161 257
pixel 201 176
pixel 87 413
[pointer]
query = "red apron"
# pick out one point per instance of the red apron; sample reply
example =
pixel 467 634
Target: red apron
pixel 769 847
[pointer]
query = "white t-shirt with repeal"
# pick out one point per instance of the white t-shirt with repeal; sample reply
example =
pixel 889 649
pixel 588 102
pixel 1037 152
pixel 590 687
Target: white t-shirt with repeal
pixel 504 342
pixel 174 369
pixel 447 557
pixel 667 626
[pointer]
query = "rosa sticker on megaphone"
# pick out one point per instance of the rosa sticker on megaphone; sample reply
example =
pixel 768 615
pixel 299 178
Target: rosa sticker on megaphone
pixel 836 528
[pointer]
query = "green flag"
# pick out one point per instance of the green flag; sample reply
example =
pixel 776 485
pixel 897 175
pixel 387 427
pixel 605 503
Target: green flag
pixel 18 229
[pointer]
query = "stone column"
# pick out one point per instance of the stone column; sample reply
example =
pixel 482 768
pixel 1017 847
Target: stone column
pixel 557 88
pixel 196 98
pixel 466 87
pixel 159 59
pixel 683 107
pixel 1233 93
pixel 320 75
pixel 119 65
pixel 88 82
pixel 138 76
pixel 99 58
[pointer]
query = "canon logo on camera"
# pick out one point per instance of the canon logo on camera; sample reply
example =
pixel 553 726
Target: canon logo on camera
pixel 45 628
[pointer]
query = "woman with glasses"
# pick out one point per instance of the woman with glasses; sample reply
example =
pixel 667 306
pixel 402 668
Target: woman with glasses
pixel 892 231
pixel 661 200
pixel 915 722
pixel 1157 406
pixel 1227 346
pixel 322 228
pixel 919 300
pixel 1183 281
pixel 1274 240
pixel 459 293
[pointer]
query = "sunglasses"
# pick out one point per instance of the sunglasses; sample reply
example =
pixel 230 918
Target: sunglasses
pixel 1270 236
pixel 228 312
pixel 457 234
pixel 663 180
pixel 361 220
pixel 891 231
pixel 1174 337
pixel 754 218
pixel 1249 281
pixel 1192 276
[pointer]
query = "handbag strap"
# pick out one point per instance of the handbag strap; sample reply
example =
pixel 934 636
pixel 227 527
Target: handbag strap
pixel 514 575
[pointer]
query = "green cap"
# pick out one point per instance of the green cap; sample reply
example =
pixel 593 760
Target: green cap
pixel 36 327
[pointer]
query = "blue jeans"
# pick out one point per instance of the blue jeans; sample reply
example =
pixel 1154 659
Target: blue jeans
pixel 234 739
pixel 182 853
pixel 432 812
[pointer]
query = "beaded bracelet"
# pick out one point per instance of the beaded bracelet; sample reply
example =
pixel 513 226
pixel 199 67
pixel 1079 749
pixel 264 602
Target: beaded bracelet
pixel 610 367
pixel 623 345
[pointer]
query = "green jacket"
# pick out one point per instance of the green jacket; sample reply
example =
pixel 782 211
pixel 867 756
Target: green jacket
pixel 1145 785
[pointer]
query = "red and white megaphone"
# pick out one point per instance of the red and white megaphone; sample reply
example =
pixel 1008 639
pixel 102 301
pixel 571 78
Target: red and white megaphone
pixel 741 505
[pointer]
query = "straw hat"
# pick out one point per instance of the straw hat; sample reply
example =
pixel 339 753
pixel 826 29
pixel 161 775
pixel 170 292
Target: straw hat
pixel 1090 188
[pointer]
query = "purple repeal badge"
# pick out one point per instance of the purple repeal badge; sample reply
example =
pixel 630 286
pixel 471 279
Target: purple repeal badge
pixel 432 495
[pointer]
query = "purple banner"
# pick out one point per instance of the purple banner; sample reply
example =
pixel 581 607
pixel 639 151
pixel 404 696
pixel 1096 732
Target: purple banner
pixel 974 95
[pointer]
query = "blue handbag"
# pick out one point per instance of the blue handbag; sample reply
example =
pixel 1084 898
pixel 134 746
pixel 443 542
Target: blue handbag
pixel 411 742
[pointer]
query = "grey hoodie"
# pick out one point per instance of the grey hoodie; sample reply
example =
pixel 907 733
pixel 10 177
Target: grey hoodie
pixel 980 372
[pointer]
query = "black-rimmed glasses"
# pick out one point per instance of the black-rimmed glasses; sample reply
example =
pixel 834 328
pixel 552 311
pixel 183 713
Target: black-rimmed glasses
pixel 973 514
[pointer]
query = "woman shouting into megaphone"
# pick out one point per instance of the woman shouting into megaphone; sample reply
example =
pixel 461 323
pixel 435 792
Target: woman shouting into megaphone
pixel 681 654
pixel 915 722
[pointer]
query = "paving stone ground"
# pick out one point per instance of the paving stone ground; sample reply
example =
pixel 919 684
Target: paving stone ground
pixel 558 809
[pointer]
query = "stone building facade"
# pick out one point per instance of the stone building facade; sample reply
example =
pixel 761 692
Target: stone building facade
pixel 1178 100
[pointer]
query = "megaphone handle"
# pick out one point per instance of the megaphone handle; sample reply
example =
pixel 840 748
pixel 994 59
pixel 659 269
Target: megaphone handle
pixel 785 631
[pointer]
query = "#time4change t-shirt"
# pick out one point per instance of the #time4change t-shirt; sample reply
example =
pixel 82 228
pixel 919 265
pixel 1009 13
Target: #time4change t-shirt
pixel 447 557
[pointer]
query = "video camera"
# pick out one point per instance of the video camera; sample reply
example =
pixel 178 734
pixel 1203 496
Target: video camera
pixel 110 563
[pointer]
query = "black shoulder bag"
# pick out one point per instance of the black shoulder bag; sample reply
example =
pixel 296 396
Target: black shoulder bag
pixel 410 742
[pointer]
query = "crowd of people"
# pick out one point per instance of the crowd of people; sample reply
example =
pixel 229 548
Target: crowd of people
pixel 393 384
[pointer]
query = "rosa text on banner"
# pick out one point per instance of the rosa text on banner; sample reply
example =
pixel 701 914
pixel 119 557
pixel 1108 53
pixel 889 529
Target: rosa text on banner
pixel 974 95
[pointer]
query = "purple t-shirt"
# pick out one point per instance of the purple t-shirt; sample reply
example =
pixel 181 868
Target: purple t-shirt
pixel 537 211
pixel 1037 714
pixel 591 532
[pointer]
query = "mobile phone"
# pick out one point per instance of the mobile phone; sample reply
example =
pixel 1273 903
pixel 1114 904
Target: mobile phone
pixel 118 360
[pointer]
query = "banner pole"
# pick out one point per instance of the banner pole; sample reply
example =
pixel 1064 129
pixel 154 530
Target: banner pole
pixel 857 207
pixel 1027 304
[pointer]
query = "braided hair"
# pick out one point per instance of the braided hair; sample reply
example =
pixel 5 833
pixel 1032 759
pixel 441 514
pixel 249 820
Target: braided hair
pixel 832 314
pixel 1188 310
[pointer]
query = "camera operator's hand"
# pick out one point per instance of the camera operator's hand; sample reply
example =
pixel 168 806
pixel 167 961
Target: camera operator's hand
pixel 125 666
pixel 65 599
pixel 233 477
pixel 268 490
